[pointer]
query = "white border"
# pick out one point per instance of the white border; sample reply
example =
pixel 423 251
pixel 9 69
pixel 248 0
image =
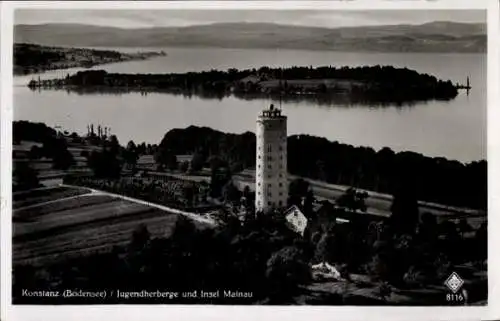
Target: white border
pixel 132 312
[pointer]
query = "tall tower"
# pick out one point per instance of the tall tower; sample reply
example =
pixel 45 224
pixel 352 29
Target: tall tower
pixel 271 185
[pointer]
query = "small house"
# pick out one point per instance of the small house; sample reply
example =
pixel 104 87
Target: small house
pixel 296 220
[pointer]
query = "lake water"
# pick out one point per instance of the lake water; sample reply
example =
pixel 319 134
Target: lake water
pixel 454 129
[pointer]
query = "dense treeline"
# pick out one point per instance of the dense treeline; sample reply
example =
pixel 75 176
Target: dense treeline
pixel 269 262
pixel 374 83
pixel 32 55
pixel 53 145
pixel 29 131
pixel 433 179
pixel 262 258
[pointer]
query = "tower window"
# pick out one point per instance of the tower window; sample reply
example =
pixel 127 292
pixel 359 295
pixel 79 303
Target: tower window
pixel 269 166
pixel 269 149
pixel 269 203
pixel 280 203
pixel 281 148
pixel 269 158
pixel 281 184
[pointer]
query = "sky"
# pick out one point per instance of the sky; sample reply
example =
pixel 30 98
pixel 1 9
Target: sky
pixel 168 18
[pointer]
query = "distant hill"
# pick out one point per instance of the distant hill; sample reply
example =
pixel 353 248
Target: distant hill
pixel 437 36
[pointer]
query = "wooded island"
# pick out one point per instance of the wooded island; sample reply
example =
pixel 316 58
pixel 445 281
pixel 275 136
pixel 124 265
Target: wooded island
pixel 374 84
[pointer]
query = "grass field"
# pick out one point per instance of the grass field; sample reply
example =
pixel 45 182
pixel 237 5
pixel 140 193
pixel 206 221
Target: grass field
pixel 72 227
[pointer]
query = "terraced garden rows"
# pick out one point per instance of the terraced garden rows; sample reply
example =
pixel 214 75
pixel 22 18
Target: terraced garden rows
pixel 37 196
pixel 80 226
pixel 32 213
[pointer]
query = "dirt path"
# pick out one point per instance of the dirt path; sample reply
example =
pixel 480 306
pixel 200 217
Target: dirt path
pixel 193 216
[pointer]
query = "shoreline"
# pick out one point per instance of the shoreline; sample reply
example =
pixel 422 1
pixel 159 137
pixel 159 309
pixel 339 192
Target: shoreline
pixel 50 58
pixel 371 84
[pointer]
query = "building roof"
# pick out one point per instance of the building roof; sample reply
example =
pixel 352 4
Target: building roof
pixel 251 78
pixel 297 221
pixel 146 159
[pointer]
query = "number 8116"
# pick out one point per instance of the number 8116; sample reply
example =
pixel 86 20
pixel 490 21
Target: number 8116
pixel 454 297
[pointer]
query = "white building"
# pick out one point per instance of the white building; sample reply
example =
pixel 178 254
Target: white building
pixel 296 220
pixel 271 186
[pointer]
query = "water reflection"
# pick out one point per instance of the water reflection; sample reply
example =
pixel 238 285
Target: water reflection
pixel 324 100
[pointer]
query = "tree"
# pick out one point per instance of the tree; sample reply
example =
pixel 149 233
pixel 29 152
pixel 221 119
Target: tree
pixel 464 227
pixel 197 162
pixel 481 240
pixel 35 152
pixel 167 159
pixel 184 166
pixel 131 147
pixel 172 163
pixel 231 193
pixel 114 145
pixel 404 208
pixel 25 177
pixel 140 238
pixel 141 149
pixel 297 189
pixel 236 167
pixel 249 196
pixel 428 227
pixel 104 164
pixel 130 155
pixel 219 177
pixel 63 159
pixel 189 194
pixel 352 200
pixel 324 251
pixel 384 290
pixel 216 163
pixel 57 149
pixel 286 269
pixel 183 227
pixel 308 204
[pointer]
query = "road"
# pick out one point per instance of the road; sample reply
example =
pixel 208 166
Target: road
pixel 377 203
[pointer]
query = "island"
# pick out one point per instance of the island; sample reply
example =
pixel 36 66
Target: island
pixel 33 58
pixel 370 84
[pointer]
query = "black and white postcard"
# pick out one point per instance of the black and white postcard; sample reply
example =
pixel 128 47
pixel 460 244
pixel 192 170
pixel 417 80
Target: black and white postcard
pixel 247 154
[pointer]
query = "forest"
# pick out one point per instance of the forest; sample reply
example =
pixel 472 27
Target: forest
pixel 263 257
pixel 437 179
pixel 376 84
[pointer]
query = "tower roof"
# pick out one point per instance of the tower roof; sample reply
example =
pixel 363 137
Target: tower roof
pixel 272 112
